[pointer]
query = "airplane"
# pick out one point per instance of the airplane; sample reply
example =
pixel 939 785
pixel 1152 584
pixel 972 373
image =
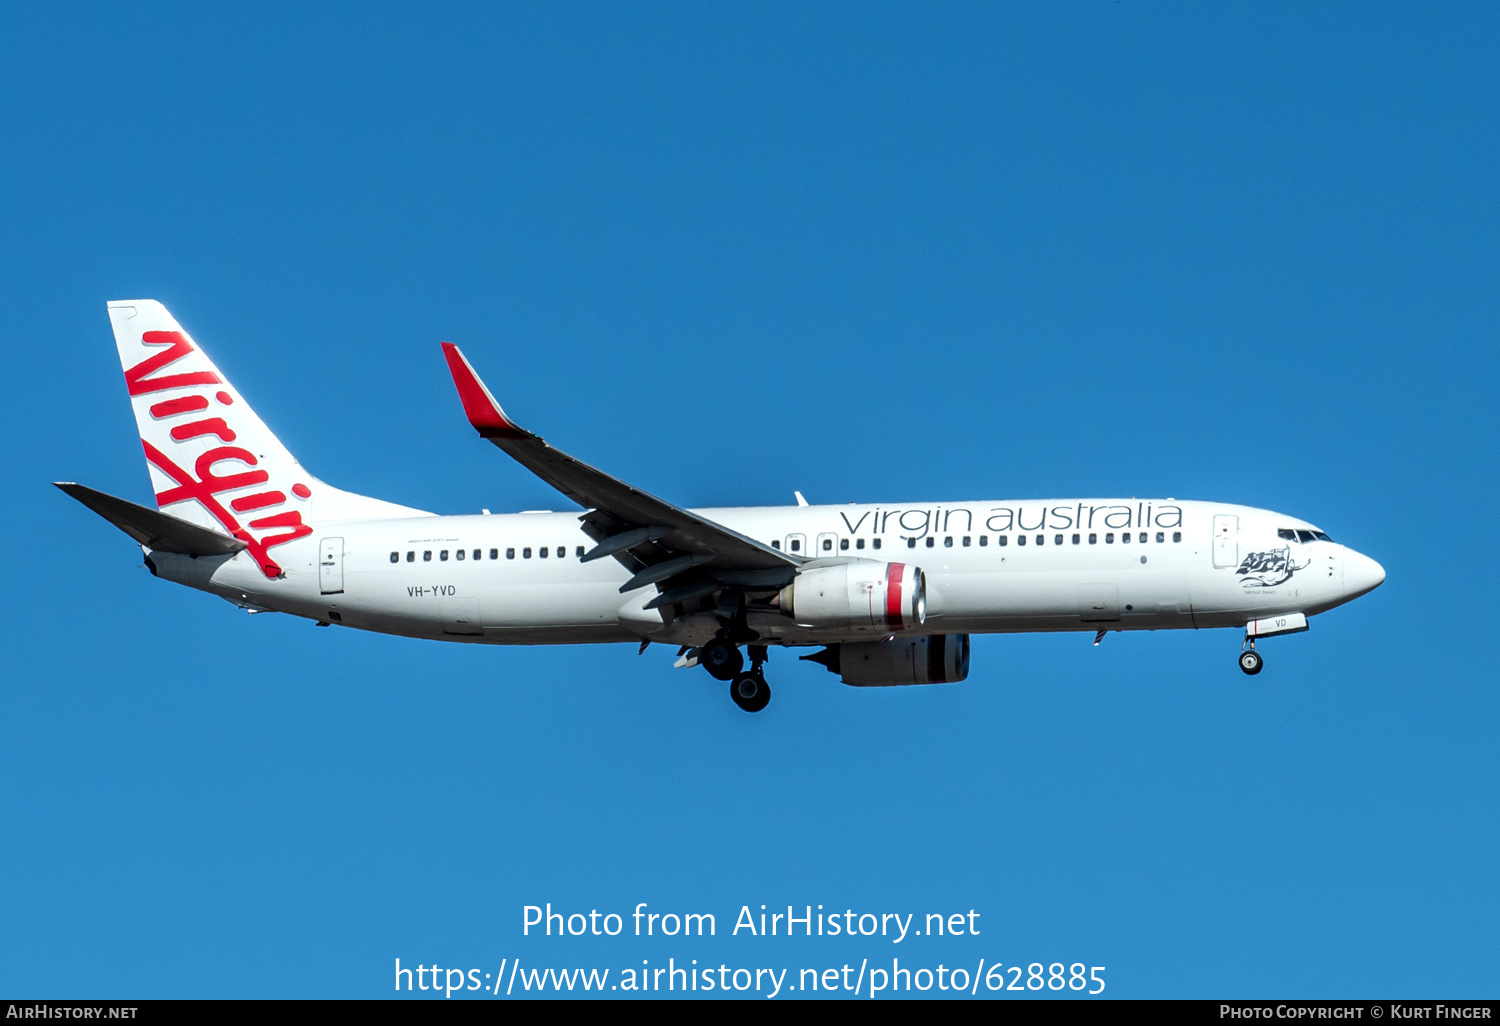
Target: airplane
pixel 887 593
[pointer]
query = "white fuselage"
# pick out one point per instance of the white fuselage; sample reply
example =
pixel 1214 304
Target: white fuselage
pixel 1090 565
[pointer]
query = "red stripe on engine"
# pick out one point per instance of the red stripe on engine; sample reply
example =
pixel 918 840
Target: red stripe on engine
pixel 893 618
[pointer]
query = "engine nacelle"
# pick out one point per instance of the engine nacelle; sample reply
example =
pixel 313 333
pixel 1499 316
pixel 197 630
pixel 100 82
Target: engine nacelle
pixel 934 659
pixel 860 595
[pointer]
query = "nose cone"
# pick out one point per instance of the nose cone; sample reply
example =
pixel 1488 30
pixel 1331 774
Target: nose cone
pixel 1361 574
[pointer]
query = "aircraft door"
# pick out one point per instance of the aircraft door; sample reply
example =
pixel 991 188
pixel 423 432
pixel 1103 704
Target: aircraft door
pixel 1226 540
pixel 828 545
pixel 331 566
pixel 796 544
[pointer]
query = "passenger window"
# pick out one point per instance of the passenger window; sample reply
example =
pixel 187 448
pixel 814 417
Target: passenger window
pixel 859 543
pixel 1177 536
pixel 510 553
pixel 395 557
pixel 1041 539
pixel 1093 539
pixel 1020 539
pixel 931 541
pixel 562 552
pixel 911 543
pixel 1124 538
pixel 1286 533
pixel 411 557
pixel 967 541
pixel 579 552
pixel 443 556
pixel 796 544
pixel 875 543
pixel 494 553
pixel 1109 538
pixel 1160 537
pixel 479 553
pixel 1076 539
pixel 948 542
pixel 541 553
pixel 427 556
pixel 843 543
pixel 1057 540
pixel 526 552
pixel 1142 538
pixel 1003 540
pixel 776 544
pixel 460 553
pixel 984 540
pixel 827 544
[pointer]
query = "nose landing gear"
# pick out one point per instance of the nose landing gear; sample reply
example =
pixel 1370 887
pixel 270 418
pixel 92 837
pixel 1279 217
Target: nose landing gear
pixel 1250 660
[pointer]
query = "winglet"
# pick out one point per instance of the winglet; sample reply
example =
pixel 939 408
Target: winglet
pixel 479 406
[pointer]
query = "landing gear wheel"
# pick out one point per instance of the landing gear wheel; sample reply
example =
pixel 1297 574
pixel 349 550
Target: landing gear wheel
pixel 750 692
pixel 721 659
pixel 1251 662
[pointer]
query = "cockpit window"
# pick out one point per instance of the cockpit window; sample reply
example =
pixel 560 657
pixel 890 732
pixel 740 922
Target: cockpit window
pixel 1299 535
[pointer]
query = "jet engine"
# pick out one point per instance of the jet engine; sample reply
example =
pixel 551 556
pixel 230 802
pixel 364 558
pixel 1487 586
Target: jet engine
pixel 859 595
pixel 934 659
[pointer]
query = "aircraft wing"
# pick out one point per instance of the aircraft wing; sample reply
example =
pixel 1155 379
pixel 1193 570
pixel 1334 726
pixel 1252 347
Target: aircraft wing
pixel 662 544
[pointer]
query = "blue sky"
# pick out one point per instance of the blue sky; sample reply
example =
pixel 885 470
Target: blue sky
pixel 875 253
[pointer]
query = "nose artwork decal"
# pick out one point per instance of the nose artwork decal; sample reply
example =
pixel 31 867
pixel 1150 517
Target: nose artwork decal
pixel 1270 568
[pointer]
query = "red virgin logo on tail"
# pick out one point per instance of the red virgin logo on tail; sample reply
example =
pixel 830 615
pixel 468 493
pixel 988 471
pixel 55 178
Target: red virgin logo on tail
pixel 205 484
pixel 139 384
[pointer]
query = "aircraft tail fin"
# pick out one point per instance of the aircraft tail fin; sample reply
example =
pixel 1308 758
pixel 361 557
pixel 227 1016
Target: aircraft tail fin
pixel 212 461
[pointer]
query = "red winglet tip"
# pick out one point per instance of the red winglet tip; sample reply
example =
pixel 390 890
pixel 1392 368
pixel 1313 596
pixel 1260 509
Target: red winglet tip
pixel 479 406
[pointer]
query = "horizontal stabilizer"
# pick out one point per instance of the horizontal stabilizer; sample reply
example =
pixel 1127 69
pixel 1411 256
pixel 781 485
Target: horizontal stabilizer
pixel 154 529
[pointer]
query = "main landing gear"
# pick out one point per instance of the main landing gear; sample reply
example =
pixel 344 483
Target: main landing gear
pixel 722 659
pixel 750 691
pixel 1250 660
pixel 748 688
